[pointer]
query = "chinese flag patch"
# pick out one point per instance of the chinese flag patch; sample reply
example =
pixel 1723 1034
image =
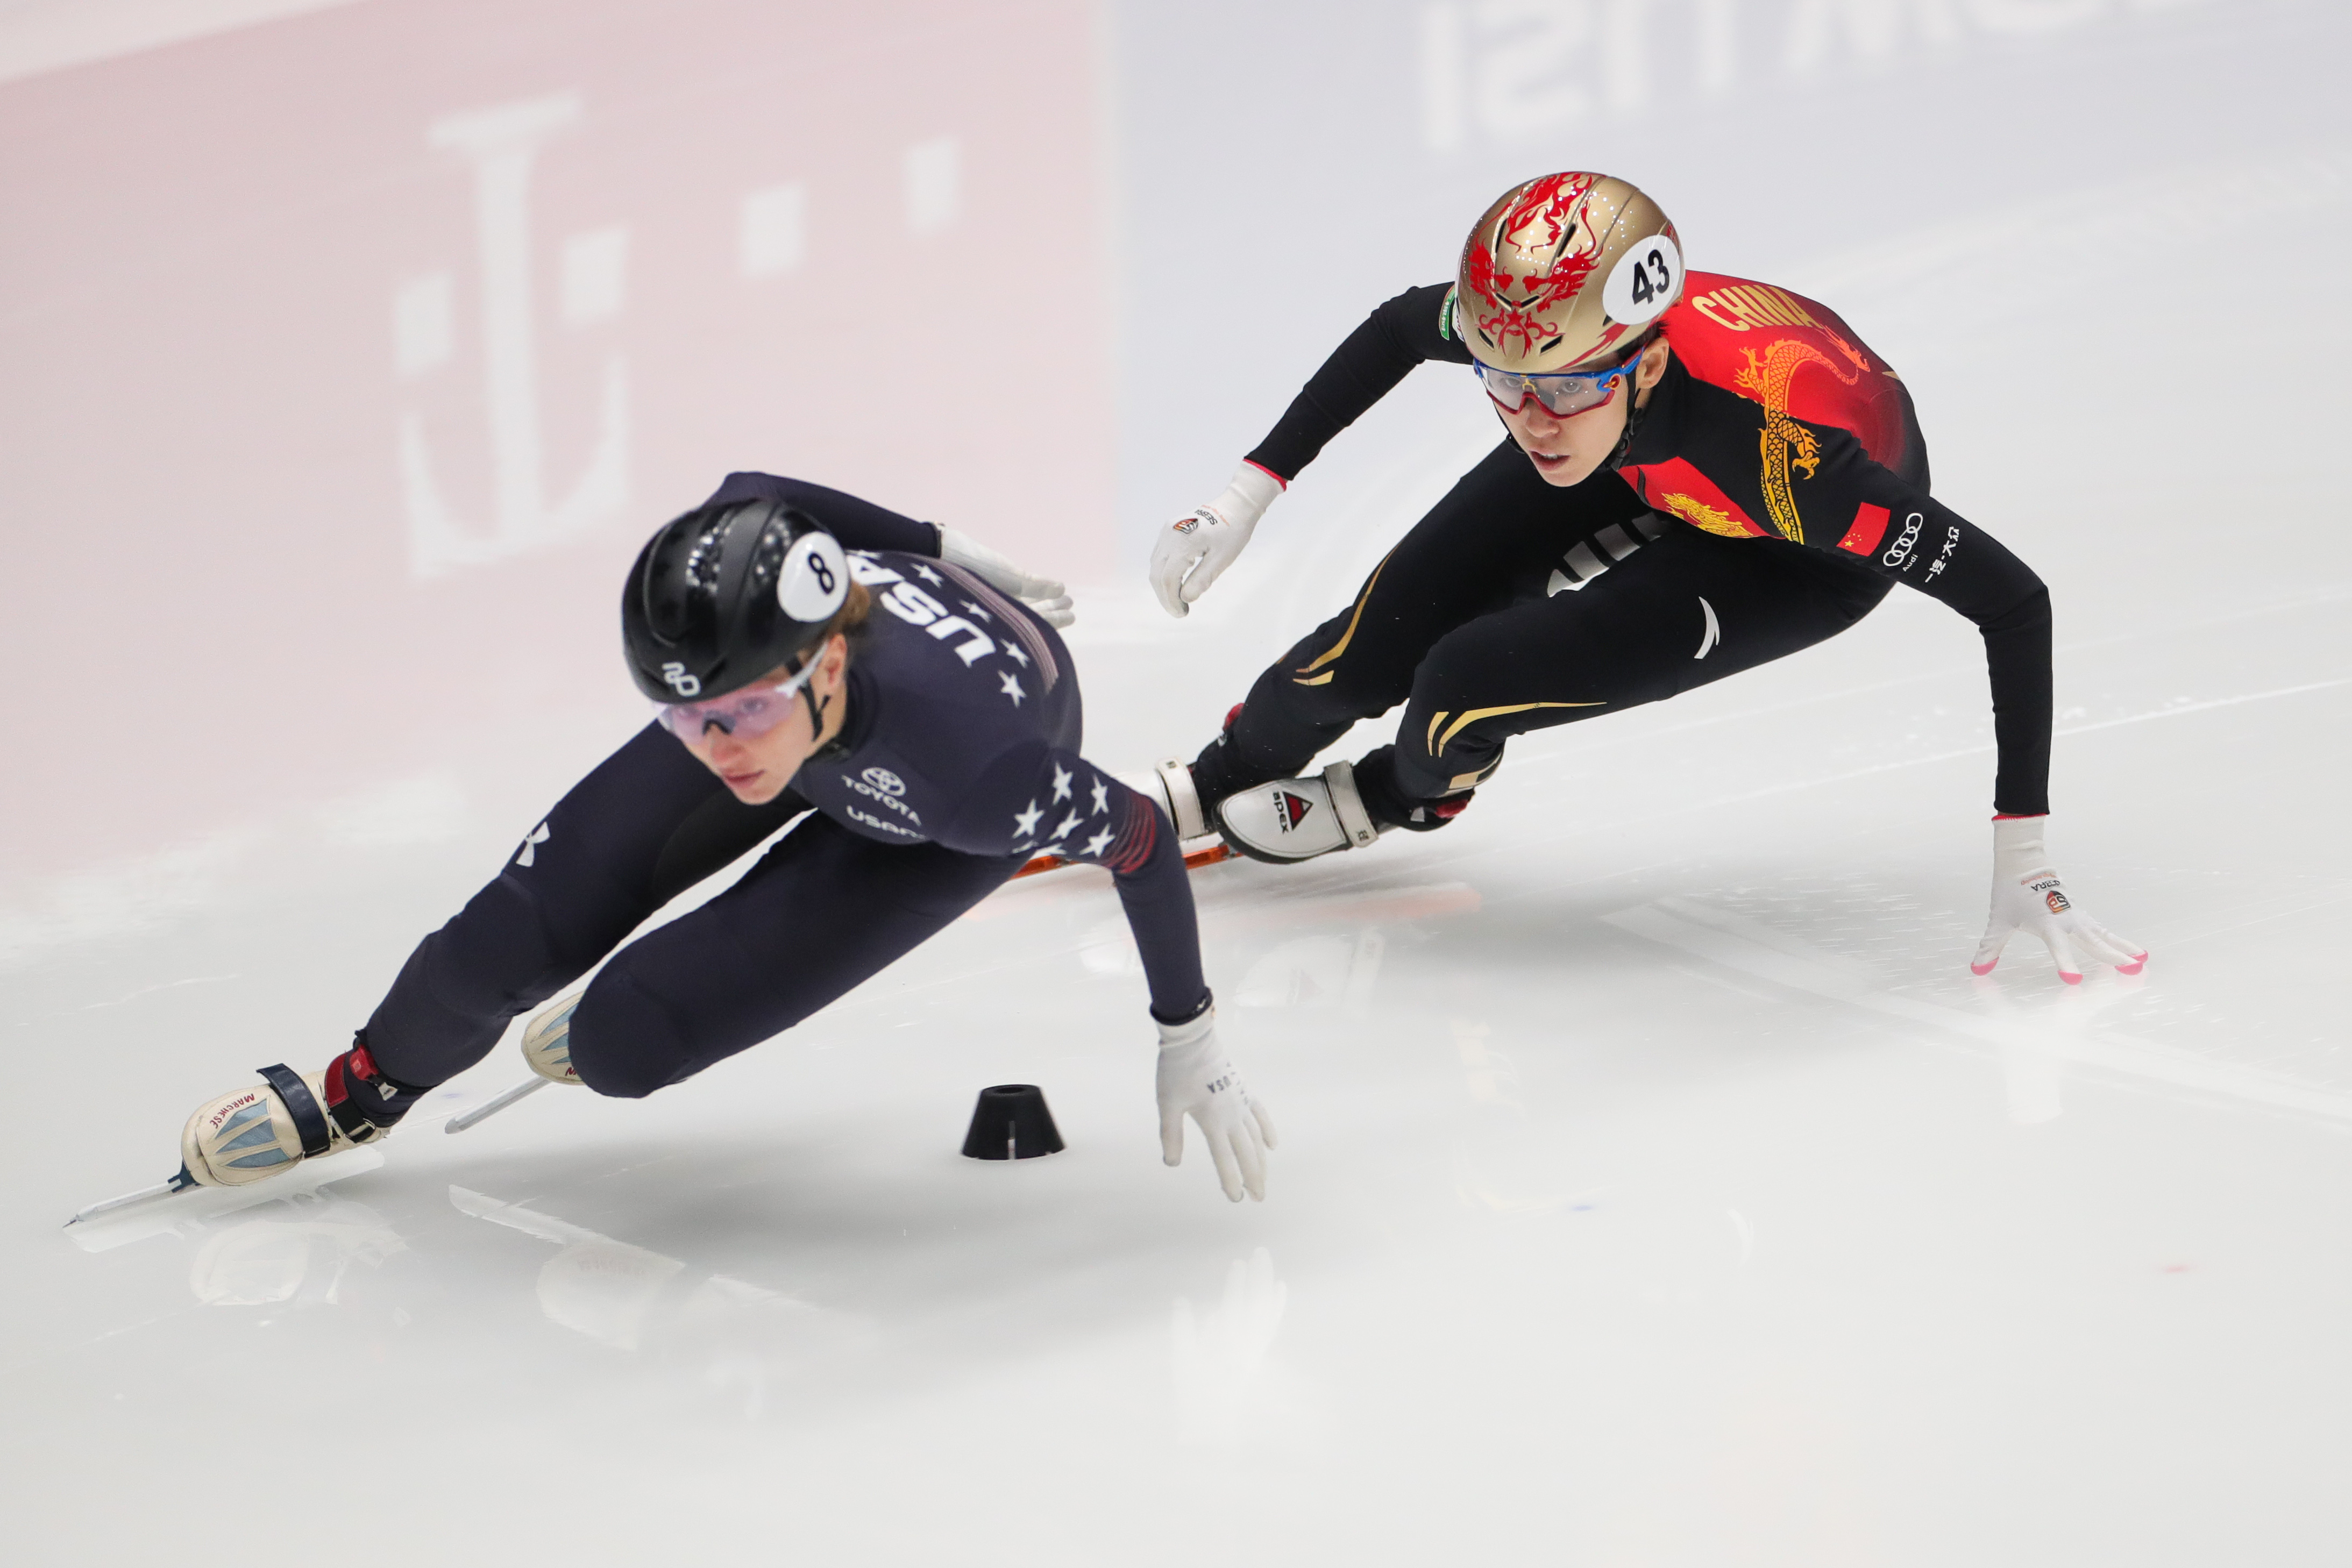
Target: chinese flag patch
pixel 1869 527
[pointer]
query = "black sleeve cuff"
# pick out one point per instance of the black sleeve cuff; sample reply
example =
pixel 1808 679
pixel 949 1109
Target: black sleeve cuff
pixel 1208 1000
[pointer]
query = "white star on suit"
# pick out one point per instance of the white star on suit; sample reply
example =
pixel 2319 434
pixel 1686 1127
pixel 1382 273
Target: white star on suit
pixel 976 610
pixel 1012 687
pixel 927 574
pixel 1099 843
pixel 1016 656
pixel 1102 797
pixel 1065 824
pixel 1061 782
pixel 1026 823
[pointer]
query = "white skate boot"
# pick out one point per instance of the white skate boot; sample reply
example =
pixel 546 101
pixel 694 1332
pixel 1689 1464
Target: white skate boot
pixel 546 1050
pixel 250 1134
pixel 1169 786
pixel 547 1042
pixel 1298 818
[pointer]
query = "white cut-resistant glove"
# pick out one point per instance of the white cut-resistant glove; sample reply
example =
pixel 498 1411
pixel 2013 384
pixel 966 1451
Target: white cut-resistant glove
pixel 2028 896
pixel 1049 598
pixel 1197 1078
pixel 1195 551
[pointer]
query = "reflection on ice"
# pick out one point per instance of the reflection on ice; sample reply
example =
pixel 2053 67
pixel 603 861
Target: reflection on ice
pixel 186 1213
pixel 1315 971
pixel 603 1288
pixel 2034 1051
pixel 1501 1162
pixel 1745 1229
pixel 1220 1353
pixel 2034 1076
pixel 298 1254
pixel 740 1338
pixel 2026 1043
pixel 1326 951
pixel 1487 1073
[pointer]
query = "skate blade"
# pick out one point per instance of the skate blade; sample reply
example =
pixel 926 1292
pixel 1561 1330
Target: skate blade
pixel 145 1195
pixel 153 1212
pixel 492 1106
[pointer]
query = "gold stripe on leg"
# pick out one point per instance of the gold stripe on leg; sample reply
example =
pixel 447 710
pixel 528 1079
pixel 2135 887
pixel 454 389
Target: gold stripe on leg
pixel 1349 634
pixel 1475 713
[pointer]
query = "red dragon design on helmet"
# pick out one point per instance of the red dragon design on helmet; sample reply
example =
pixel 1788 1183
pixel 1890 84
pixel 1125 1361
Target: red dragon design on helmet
pixel 1560 229
pixel 1545 219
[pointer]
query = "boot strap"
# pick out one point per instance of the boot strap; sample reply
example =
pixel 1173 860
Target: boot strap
pixel 1183 799
pixel 1347 805
pixel 310 1121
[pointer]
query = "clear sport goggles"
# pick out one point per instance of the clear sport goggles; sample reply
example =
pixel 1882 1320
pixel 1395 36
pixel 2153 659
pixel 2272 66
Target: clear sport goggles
pixel 1564 393
pixel 747 713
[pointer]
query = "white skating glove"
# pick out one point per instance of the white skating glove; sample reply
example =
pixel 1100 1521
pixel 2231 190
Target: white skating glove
pixel 1195 551
pixel 2027 895
pixel 1197 1078
pixel 1049 598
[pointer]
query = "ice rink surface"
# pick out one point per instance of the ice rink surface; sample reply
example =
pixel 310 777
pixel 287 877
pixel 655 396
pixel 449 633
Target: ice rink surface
pixel 1656 1185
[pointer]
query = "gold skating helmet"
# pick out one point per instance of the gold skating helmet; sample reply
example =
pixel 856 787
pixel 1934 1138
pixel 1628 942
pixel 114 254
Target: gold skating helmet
pixel 1565 272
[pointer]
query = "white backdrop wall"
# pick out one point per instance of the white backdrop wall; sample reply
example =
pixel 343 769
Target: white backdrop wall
pixel 1287 167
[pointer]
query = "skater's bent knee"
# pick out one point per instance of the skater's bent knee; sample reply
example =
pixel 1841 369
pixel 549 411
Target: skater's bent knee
pixel 623 1042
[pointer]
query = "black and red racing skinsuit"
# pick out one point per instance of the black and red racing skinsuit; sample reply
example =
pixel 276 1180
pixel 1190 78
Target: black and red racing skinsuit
pixel 1773 489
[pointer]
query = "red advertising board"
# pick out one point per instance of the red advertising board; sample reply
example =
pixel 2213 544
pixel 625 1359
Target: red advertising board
pixel 346 358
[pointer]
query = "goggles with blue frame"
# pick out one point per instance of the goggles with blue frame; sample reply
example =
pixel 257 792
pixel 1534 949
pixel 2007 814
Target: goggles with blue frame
pixel 1564 393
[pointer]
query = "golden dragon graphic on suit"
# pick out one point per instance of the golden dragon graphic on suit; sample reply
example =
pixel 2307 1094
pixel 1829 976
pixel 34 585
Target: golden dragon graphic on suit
pixel 1784 443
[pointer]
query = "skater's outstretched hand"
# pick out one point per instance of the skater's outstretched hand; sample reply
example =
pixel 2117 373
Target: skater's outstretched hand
pixel 1194 550
pixel 2027 895
pixel 1048 597
pixel 1197 1078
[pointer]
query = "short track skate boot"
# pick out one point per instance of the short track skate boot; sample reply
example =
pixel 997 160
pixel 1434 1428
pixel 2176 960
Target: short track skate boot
pixel 1428 816
pixel 1376 785
pixel 547 1042
pixel 250 1134
pixel 1189 791
pixel 363 1100
pixel 1169 786
pixel 1298 818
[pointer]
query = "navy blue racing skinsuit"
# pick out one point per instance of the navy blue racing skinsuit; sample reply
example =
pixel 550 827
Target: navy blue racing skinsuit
pixel 958 759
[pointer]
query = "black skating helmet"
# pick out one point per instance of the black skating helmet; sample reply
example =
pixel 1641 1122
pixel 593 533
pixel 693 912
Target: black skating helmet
pixel 725 594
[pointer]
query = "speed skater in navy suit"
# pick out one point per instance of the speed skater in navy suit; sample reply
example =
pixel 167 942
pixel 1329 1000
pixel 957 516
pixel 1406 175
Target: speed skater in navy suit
pixel 893 696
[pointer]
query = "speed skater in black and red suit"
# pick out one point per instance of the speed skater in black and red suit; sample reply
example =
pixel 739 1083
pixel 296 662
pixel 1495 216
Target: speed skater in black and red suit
pixel 1702 474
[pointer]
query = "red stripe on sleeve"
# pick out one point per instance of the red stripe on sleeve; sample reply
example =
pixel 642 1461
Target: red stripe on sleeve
pixel 1138 837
